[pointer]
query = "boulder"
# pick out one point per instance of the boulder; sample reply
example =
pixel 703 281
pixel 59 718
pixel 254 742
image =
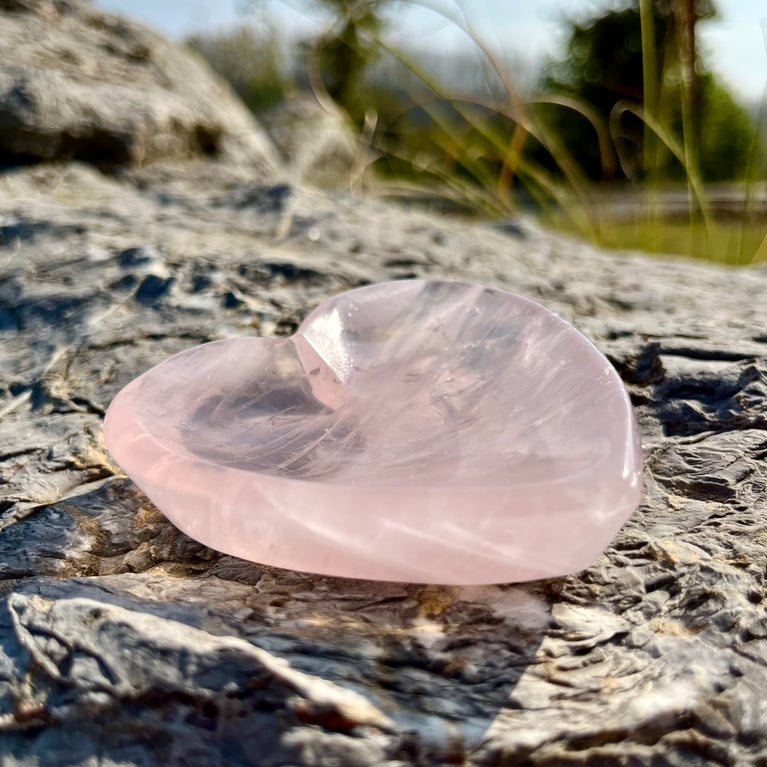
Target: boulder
pixel 123 642
pixel 77 83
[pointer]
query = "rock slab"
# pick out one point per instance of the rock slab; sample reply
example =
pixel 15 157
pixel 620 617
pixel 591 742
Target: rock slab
pixel 123 642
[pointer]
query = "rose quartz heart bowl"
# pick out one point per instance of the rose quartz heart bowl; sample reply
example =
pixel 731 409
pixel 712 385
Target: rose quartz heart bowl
pixel 424 431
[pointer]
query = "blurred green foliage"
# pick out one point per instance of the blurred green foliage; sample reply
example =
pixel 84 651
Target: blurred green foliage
pixel 631 102
pixel 337 58
pixel 347 49
pixel 250 58
pixel 602 73
pixel 727 133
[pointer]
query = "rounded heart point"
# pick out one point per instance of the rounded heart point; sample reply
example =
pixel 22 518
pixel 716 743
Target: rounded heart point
pixel 424 431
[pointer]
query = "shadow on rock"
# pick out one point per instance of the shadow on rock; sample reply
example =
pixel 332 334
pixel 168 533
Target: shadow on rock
pixel 259 672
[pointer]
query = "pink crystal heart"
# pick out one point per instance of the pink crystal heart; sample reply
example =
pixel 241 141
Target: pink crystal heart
pixel 424 431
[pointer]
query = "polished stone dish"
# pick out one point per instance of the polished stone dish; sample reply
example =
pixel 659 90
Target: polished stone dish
pixel 417 430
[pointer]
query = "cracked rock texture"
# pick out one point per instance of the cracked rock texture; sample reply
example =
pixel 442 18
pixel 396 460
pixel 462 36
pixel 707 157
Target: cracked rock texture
pixel 123 642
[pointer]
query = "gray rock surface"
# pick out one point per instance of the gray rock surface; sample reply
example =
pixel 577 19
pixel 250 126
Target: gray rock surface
pixel 76 83
pixel 123 642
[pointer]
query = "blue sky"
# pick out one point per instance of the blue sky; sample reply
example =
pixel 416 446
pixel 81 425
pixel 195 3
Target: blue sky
pixel 529 28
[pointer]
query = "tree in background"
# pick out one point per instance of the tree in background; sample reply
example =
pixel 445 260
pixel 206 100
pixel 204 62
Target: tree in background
pixel 340 56
pixel 348 48
pixel 250 58
pixel 608 61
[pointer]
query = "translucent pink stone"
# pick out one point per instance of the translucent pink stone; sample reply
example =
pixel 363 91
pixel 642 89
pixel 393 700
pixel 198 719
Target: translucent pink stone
pixel 433 432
